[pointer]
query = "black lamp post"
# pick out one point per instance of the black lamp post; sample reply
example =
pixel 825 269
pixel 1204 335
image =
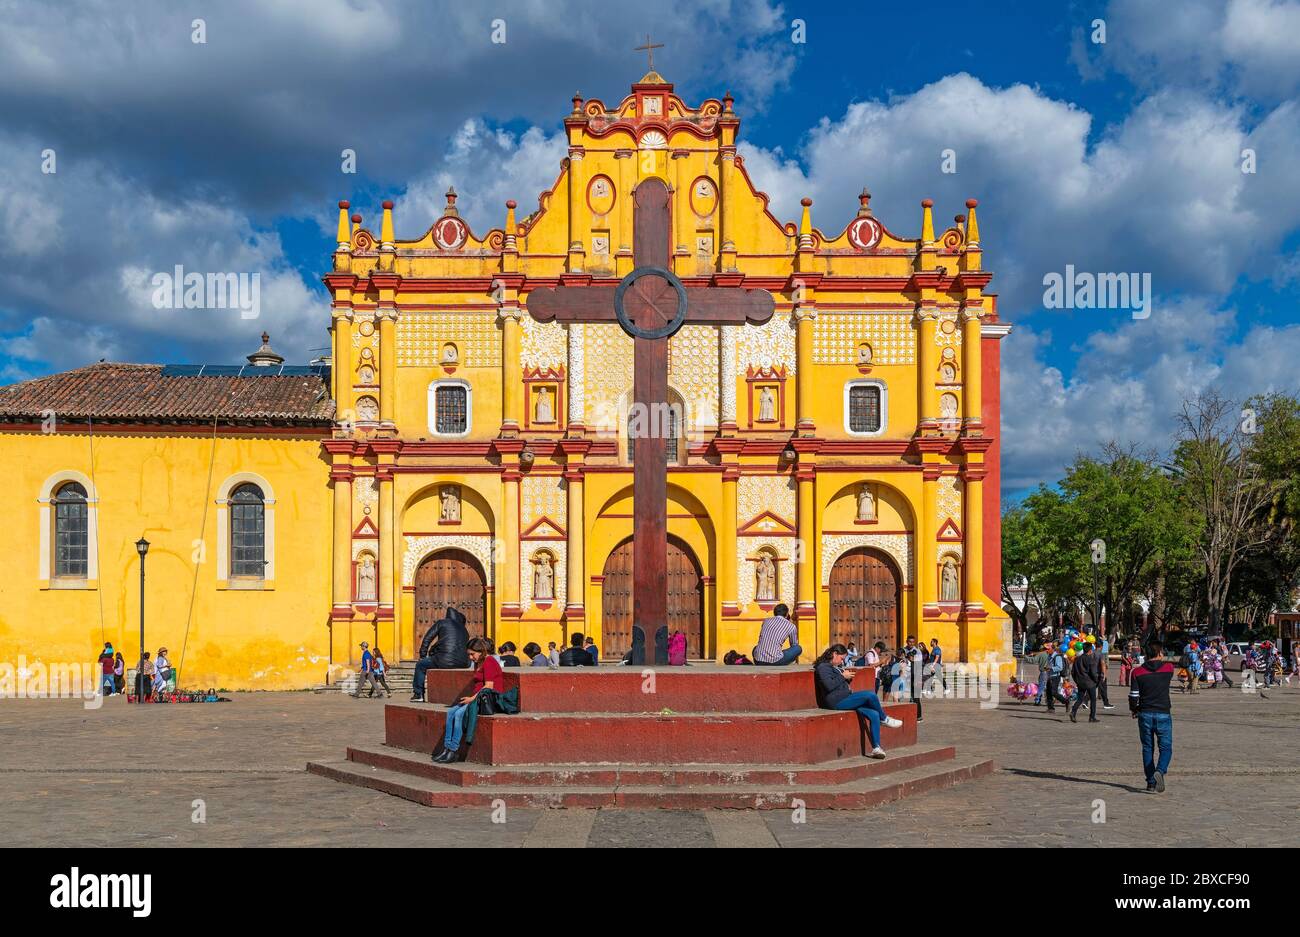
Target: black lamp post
pixel 141 547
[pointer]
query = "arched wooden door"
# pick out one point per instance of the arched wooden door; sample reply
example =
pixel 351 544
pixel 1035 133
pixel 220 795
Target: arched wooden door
pixel 685 600
pixel 865 589
pixel 455 578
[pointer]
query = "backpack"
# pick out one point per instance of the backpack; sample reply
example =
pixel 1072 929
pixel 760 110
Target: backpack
pixel 735 658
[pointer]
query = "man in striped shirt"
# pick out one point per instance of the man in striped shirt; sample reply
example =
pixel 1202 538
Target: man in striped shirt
pixel 773 633
pixel 1148 700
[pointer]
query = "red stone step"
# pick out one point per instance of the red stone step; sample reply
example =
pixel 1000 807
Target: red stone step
pixel 467 774
pixel 615 689
pixel 859 794
pixel 802 737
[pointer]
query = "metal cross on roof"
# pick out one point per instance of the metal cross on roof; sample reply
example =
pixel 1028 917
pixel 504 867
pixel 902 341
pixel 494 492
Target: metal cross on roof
pixel 649 49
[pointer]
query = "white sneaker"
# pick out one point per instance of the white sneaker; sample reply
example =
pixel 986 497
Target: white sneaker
pixel 892 722
pixel 877 752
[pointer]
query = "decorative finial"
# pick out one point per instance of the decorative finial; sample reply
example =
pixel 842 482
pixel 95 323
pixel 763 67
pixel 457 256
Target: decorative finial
pixel 451 202
pixel 577 102
pixel 344 233
pixel 927 222
pixel 264 357
pixel 727 101
pixel 864 203
pixel 972 227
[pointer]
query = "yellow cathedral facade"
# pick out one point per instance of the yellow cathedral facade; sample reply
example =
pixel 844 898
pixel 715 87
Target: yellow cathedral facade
pixel 841 458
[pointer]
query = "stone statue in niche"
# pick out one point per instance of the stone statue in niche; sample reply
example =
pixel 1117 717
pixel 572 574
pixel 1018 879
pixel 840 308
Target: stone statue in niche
pixel 866 504
pixel 366 579
pixel 767 406
pixel 864 353
pixel 948 591
pixel 366 375
pixel 766 579
pixel 367 409
pixel 545 410
pixel 600 189
pixel 449 354
pixel 450 513
pixel 544 577
pixel 947 374
pixel 948 406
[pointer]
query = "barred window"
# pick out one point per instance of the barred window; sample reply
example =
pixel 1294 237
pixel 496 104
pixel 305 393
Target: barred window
pixel 864 408
pixel 247 532
pixel 450 409
pixel 71 532
pixel 669 414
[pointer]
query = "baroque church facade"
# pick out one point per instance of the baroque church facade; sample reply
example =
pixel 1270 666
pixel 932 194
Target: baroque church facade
pixel 841 458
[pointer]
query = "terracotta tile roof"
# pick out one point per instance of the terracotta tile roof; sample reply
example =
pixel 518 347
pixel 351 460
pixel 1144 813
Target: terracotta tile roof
pixel 145 392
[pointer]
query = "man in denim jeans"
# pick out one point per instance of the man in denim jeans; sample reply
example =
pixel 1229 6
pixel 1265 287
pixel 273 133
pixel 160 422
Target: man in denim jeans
pixel 1148 700
pixel 775 631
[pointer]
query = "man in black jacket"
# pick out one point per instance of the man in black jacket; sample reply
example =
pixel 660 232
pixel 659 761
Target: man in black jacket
pixel 1087 675
pixel 1148 700
pixel 575 655
pixel 444 648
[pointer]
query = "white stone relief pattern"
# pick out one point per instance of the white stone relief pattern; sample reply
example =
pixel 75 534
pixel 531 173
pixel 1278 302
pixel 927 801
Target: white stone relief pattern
pixel 837 335
pixel 542 344
pixel 898 546
pixel 530 550
pixel 727 377
pixel 417 548
pixel 947 339
pixel 747 573
pixel 758 493
pixel 542 496
pixel 577 375
pixel 608 353
pixel 768 345
pixel 948 499
pixel 421 335
pixel 693 371
pixel 366 489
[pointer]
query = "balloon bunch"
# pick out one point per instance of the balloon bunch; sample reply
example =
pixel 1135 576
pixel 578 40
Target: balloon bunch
pixel 1022 691
pixel 1073 642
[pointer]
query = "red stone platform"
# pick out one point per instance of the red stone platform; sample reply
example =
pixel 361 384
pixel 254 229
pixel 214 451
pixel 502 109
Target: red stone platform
pixel 698 737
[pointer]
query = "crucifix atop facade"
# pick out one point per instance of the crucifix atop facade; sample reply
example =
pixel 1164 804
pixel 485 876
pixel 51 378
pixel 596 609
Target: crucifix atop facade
pixel 650 303
pixel 649 49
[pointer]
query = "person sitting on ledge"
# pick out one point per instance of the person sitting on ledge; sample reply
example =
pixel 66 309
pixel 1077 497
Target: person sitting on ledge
pixel 506 655
pixel 835 691
pixel 443 648
pixel 575 655
pixel 487 676
pixel 533 651
pixel 772 634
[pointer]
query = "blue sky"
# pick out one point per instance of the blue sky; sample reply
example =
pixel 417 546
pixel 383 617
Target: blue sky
pixel 1123 156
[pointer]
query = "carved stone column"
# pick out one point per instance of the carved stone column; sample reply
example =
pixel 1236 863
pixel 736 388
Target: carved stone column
pixel 804 314
pixel 576 377
pixel 971 368
pixel 511 379
pixel 728 339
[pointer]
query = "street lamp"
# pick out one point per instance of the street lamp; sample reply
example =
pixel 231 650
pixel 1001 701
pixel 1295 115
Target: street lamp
pixel 141 547
pixel 1098 548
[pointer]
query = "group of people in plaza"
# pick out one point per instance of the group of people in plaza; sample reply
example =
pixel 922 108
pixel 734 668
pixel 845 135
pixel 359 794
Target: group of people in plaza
pixel 153 674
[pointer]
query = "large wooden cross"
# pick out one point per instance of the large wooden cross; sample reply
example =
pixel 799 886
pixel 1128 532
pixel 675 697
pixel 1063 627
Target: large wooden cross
pixel 654 305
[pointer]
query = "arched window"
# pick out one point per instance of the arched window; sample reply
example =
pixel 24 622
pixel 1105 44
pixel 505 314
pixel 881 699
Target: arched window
pixel 661 419
pixel 247 533
pixel 71 532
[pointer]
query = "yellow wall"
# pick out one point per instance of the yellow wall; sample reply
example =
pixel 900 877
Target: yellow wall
pixel 157 487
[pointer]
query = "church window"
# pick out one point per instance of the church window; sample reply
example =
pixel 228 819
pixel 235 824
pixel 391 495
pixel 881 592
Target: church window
pixel 864 408
pixel 247 532
pixel 71 532
pixel 449 408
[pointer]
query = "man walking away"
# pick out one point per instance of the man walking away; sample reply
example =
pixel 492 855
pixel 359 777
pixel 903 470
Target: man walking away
pixel 772 634
pixel 936 664
pixel 1148 699
pixel 1086 677
pixel 445 647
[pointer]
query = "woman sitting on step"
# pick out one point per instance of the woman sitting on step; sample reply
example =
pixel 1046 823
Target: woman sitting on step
pixel 835 691
pixel 487 676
